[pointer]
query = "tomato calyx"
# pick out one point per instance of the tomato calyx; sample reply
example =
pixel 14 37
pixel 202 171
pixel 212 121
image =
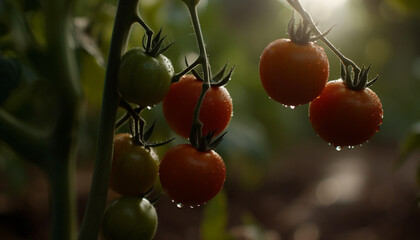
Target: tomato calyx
pixel 357 78
pixel 218 80
pixel 302 34
pixel 204 143
pixel 140 135
pixel 155 47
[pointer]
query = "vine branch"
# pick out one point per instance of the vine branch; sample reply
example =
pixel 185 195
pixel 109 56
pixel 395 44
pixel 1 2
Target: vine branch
pixel 125 17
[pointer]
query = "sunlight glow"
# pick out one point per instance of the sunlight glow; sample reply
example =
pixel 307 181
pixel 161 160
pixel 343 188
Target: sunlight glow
pixel 321 10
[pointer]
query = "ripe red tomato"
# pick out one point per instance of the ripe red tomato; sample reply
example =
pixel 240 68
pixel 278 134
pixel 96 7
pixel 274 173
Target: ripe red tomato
pixel 293 74
pixel 134 167
pixel 191 177
pixel 345 117
pixel 130 218
pixel 179 104
pixel 143 79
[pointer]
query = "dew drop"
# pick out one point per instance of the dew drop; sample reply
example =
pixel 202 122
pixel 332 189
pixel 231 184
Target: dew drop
pixel 172 200
pixel 338 148
pixel 191 207
pixel 149 107
pixel 292 107
pixel 179 205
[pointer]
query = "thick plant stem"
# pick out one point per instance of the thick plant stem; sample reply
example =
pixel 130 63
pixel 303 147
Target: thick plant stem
pixel 59 154
pixel 125 16
pixel 61 178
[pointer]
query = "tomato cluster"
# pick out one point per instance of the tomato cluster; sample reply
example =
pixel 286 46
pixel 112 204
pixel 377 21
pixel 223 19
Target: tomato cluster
pixel 295 72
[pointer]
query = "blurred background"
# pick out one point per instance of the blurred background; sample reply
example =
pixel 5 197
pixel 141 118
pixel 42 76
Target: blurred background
pixel 283 181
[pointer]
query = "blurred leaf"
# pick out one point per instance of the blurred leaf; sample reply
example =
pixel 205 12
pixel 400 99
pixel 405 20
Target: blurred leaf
pixel 215 219
pixel 411 143
pixel 92 79
pixel 10 76
pixel 410 5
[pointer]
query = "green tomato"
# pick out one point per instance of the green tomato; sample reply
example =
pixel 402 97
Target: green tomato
pixel 143 79
pixel 130 218
pixel 134 167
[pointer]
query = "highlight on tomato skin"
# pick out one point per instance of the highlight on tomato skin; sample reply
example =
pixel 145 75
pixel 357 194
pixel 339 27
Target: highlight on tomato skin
pixel 178 107
pixel 293 74
pixel 345 117
pixel 191 177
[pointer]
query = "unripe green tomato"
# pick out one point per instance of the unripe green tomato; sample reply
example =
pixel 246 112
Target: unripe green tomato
pixel 130 218
pixel 134 167
pixel 143 79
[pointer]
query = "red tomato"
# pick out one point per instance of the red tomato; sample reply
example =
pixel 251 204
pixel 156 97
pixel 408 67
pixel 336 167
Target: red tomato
pixel 191 177
pixel 345 117
pixel 134 167
pixel 179 104
pixel 293 74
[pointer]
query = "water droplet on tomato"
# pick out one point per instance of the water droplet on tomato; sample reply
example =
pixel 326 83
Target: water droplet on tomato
pixel 292 107
pixel 149 107
pixel 179 205
pixel 338 148
pixel 191 206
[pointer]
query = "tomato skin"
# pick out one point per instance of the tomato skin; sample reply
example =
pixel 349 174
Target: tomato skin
pixel 143 79
pixel 345 117
pixel 134 168
pixel 179 103
pixel 293 74
pixel 191 177
pixel 130 218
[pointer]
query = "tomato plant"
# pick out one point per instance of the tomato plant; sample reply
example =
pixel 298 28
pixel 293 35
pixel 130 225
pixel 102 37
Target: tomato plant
pixel 130 218
pixel 134 167
pixel 190 176
pixel 179 104
pixel 345 117
pixel 144 79
pixel 291 73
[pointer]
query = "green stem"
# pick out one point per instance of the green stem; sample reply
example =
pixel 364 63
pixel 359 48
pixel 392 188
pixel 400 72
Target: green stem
pixel 126 12
pixel 61 179
pixel 307 18
pixel 197 124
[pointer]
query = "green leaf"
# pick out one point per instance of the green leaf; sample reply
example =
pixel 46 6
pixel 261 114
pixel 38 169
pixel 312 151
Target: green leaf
pixel 215 219
pixel 410 143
